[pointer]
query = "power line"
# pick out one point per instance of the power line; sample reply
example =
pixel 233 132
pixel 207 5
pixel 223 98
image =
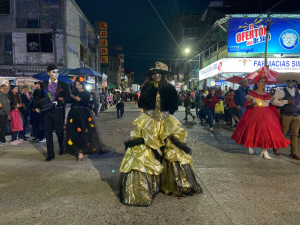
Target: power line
pixel 164 24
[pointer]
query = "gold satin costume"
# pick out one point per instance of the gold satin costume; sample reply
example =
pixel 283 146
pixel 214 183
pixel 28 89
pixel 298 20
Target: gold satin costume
pixel 143 174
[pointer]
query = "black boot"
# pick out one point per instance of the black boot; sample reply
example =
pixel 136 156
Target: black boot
pixel 49 158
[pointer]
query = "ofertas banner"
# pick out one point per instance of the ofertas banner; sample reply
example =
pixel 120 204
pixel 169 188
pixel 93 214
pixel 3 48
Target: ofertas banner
pixel 249 34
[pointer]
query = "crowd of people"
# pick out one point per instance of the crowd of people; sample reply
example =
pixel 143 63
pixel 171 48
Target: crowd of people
pixel 157 157
pixel 261 119
pixel 100 101
pixel 25 111
pixel 222 106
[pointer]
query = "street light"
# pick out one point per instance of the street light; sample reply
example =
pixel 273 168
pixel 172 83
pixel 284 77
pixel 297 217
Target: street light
pixel 187 50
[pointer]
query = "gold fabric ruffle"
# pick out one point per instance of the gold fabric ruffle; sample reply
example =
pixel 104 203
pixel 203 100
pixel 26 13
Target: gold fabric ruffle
pixel 155 134
pixel 178 179
pixel 138 188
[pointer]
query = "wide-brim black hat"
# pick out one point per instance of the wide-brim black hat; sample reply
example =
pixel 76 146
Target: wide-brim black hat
pixel 158 68
pixel 46 104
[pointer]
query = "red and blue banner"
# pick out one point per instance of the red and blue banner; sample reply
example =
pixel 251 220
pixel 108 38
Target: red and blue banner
pixel 249 35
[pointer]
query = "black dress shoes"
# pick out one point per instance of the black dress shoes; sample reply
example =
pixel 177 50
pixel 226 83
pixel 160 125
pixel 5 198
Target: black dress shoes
pixel 61 152
pixel 49 158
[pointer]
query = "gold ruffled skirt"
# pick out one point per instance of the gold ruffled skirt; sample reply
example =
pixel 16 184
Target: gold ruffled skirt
pixel 158 164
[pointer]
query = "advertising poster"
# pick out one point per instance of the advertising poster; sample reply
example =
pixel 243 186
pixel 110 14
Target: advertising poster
pixel 249 35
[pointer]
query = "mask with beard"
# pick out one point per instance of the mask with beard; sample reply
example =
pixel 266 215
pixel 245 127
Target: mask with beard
pixel 54 74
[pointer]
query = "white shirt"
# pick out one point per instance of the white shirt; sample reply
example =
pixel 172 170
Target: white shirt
pixel 54 81
pixel 280 95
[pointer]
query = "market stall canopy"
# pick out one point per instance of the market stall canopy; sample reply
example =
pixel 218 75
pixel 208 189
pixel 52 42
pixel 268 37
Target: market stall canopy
pixel 83 70
pixel 4 81
pixel 45 77
pixel 235 79
pixel 271 74
pixel 110 85
pixel 25 81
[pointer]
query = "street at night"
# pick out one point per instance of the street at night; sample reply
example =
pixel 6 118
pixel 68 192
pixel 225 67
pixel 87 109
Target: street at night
pixel 238 188
pixel 142 112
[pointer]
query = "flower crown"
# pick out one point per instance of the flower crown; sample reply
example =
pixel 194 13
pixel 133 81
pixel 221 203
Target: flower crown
pixel 160 66
pixel 261 74
pixel 81 79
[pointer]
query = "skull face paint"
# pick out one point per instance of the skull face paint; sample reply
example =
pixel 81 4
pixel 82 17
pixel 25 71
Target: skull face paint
pixel 54 74
pixel 156 77
pixel 291 83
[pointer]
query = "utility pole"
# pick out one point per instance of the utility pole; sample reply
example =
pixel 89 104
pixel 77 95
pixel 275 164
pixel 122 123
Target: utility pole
pixel 268 21
pixel 54 42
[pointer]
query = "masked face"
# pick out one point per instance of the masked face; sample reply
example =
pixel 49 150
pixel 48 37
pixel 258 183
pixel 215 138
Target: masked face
pixel 291 83
pixel 54 74
pixel 156 77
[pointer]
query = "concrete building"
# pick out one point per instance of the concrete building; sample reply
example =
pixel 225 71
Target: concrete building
pixel 114 69
pixel 26 43
pixel 129 78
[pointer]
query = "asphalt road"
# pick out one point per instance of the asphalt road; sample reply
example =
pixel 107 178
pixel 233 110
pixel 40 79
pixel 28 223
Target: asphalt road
pixel 238 188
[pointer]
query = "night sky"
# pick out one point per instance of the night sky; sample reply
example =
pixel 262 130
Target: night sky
pixel 134 25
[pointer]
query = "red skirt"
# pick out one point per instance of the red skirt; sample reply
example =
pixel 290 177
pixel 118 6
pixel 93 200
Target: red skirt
pixel 260 127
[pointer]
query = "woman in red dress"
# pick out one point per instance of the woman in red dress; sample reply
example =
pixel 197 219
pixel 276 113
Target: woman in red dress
pixel 260 127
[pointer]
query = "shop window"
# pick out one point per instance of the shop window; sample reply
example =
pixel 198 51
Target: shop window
pixel 33 23
pixel 39 43
pixel 8 43
pixel 5 7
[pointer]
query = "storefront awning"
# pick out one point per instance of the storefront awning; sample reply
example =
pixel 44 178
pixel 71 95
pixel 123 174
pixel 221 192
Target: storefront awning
pixel 228 67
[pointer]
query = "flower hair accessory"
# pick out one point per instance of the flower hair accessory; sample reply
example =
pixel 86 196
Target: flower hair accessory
pixel 261 74
pixel 160 66
pixel 74 78
pixel 81 79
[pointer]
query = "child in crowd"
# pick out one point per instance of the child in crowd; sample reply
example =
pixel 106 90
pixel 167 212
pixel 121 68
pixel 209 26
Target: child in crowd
pixel 201 106
pixel 233 111
pixel 120 107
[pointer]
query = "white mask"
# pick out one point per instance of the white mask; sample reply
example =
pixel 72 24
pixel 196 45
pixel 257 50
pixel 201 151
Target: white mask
pixel 54 74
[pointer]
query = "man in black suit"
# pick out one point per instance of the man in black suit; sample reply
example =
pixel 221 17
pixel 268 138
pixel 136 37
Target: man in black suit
pixel 59 94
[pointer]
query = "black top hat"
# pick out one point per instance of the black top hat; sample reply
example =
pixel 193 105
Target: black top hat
pixel 46 104
pixel 159 67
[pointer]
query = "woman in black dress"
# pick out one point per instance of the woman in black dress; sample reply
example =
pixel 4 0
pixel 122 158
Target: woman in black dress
pixel 81 134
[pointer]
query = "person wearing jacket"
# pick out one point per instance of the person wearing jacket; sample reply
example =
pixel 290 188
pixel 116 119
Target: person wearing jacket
pixel 59 95
pixel 39 124
pixel 157 157
pixel 120 108
pixel 16 121
pixel 210 100
pixel 240 97
pixel 187 106
pixel 4 112
pixel 201 106
pixel 26 112
pixel 233 111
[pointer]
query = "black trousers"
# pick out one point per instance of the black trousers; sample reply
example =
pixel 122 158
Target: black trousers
pixel 3 124
pixel 54 120
pixel 122 112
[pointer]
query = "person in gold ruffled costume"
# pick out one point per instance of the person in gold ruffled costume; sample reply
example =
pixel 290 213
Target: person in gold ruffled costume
pixel 157 158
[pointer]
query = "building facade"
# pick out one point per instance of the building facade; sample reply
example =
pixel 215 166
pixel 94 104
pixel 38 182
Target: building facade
pixel 26 37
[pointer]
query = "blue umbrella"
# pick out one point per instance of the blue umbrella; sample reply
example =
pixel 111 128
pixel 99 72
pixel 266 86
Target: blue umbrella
pixel 83 70
pixel 45 77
